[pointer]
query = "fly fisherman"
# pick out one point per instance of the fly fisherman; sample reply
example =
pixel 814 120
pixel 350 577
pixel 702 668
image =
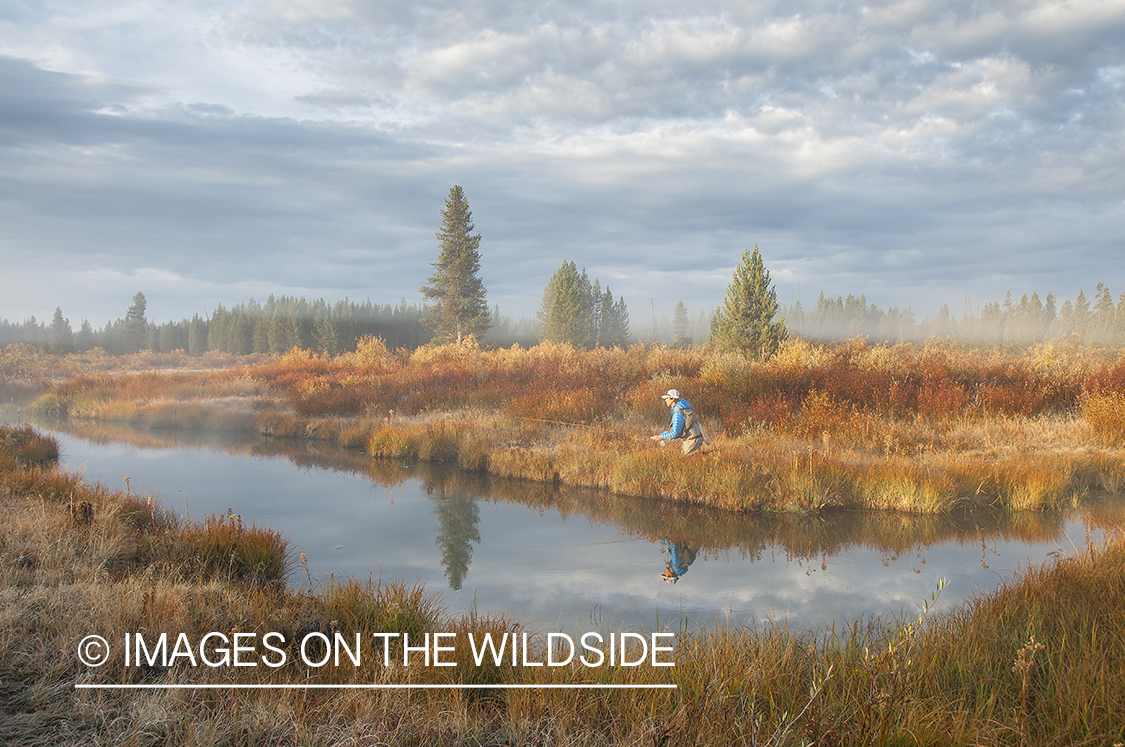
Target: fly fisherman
pixel 680 557
pixel 684 424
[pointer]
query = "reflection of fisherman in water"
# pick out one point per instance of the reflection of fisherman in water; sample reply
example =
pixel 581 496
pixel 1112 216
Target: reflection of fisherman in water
pixel 681 556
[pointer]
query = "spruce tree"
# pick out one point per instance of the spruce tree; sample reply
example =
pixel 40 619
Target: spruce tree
pixel 618 323
pixel 746 321
pixel 680 325
pixel 576 312
pixel 84 340
pixel 459 305
pixel 60 336
pixel 564 314
pixel 136 326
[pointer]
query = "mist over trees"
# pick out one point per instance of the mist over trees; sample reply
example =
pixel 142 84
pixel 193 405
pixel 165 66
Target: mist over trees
pixel 276 326
pixel 1028 321
pixel 284 322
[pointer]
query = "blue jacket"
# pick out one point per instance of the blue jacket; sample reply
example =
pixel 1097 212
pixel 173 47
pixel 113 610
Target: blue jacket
pixel 678 563
pixel 679 420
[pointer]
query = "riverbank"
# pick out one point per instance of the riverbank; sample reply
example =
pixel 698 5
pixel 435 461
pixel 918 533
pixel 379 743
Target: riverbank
pixel 927 429
pixel 79 560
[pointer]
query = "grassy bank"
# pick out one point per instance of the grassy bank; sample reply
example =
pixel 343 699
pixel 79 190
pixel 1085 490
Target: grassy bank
pixel 1039 661
pixel 927 428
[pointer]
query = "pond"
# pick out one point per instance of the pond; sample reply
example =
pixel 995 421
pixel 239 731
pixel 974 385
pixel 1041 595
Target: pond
pixel 574 560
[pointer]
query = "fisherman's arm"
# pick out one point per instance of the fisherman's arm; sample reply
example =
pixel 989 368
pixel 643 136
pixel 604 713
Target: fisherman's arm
pixel 677 428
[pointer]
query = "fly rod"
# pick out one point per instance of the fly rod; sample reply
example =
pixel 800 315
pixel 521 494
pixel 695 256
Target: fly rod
pixel 584 425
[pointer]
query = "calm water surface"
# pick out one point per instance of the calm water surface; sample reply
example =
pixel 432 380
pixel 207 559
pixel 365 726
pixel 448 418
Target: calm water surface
pixel 568 559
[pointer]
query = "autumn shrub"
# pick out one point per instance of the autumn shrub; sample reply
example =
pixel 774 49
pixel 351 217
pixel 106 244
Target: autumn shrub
pixel 941 398
pixel 27 446
pixel 370 354
pixel 821 413
pixel 222 547
pixel 328 401
pixel 581 405
pixel 1106 415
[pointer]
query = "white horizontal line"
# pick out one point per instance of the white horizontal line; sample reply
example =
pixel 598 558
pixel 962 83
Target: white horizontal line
pixel 111 686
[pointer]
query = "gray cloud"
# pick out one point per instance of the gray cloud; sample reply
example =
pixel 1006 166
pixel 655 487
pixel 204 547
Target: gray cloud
pixel 912 151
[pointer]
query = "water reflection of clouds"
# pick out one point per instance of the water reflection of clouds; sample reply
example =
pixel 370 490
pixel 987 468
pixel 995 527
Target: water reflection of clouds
pixel 574 572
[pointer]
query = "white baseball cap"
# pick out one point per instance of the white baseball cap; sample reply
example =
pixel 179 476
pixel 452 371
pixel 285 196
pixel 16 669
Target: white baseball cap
pixel 671 394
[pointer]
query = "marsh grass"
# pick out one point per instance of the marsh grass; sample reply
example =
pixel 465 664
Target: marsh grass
pixel 221 547
pixel 27 447
pixel 928 428
pixel 1106 415
pixel 1041 660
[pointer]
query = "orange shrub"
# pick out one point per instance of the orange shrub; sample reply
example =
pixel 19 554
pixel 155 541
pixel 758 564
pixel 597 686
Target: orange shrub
pixel 581 405
pixel 774 410
pixel 821 413
pixel 942 398
pixel 1106 415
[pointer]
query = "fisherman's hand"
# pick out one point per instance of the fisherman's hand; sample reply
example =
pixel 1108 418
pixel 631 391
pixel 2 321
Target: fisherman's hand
pixel 654 438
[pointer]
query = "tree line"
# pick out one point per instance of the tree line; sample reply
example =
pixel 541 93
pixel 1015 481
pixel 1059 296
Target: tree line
pixel 276 326
pixel 1028 321
pixel 573 310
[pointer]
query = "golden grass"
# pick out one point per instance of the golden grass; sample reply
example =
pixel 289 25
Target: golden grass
pixel 1106 415
pixel 1041 660
pixel 927 428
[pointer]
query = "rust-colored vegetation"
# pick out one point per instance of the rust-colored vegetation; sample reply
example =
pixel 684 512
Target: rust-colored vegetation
pixel 922 428
pixel 1039 661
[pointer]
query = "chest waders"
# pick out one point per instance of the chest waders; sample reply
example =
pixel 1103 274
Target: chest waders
pixel 691 424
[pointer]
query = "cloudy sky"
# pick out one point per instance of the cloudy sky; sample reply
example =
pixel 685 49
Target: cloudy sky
pixel 916 151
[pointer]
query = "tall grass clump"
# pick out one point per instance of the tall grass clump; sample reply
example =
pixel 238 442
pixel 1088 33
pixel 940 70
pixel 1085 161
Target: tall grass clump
pixel 28 447
pixel 382 606
pixel 222 547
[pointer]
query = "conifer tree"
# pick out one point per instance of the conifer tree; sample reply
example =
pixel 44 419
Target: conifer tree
pixel 459 307
pixel 618 324
pixel 680 336
pixel 84 340
pixel 59 335
pixel 564 314
pixel 136 326
pixel 576 312
pixel 746 320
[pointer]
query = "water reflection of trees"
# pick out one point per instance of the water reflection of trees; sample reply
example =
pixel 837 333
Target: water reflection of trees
pixel 458 515
pixel 799 537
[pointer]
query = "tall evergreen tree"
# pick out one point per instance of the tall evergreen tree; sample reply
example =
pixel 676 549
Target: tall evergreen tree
pixel 617 322
pixel 680 336
pixel 60 337
pixel 84 340
pixel 564 314
pixel 580 313
pixel 136 326
pixel 459 307
pixel 746 320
